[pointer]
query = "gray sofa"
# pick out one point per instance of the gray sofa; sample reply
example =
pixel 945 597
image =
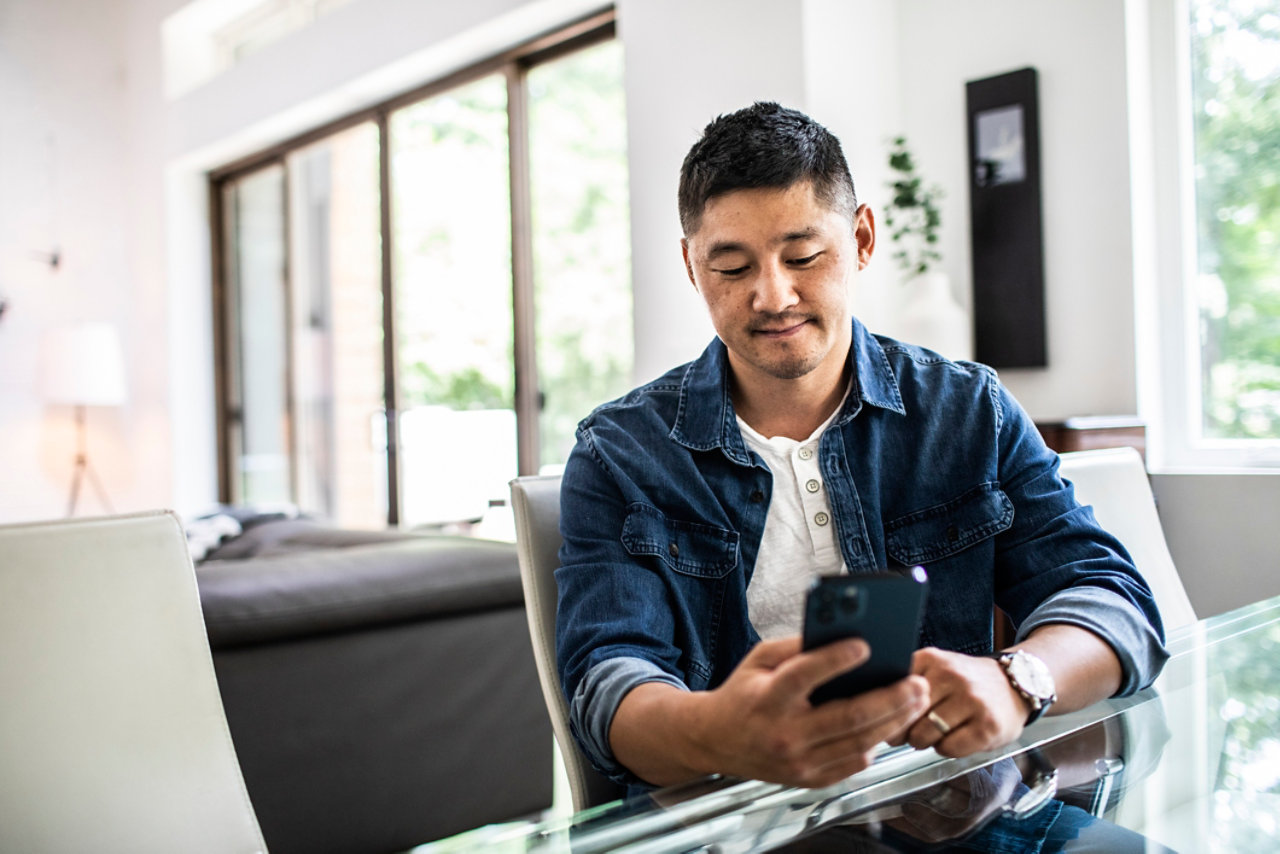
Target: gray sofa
pixel 379 686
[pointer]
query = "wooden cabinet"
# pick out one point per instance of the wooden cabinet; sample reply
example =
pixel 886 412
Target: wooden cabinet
pixel 1096 431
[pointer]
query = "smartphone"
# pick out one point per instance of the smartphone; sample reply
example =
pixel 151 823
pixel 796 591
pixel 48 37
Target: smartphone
pixel 884 609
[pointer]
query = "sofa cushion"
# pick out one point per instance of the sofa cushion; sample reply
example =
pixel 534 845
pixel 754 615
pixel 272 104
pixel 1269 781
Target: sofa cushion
pixel 282 536
pixel 292 590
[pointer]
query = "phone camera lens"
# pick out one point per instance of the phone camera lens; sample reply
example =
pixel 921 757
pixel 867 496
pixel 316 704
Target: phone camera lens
pixel 849 600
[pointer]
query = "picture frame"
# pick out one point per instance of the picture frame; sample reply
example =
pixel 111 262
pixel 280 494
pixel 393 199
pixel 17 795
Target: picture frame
pixel 1006 224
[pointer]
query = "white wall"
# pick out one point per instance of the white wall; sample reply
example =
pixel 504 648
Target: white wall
pixel 71 179
pixel 852 53
pixel 686 63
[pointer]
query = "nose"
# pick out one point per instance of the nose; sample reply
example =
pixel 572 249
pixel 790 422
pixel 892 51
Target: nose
pixel 774 290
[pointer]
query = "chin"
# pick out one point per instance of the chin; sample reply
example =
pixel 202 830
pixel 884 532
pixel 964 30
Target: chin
pixel 793 370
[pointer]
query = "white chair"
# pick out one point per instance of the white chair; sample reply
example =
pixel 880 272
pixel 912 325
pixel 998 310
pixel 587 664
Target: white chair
pixel 1115 482
pixel 112 733
pixel 536 503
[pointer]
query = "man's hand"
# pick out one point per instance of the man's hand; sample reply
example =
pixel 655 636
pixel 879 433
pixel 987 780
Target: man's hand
pixel 759 723
pixel 982 711
pixel 973 697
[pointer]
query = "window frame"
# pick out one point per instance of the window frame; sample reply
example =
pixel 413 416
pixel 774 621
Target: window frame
pixel 514 64
pixel 1162 162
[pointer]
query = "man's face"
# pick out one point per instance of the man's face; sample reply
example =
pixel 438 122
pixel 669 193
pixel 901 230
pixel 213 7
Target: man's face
pixel 776 268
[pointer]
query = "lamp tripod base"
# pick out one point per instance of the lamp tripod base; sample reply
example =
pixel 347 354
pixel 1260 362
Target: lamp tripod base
pixel 84 470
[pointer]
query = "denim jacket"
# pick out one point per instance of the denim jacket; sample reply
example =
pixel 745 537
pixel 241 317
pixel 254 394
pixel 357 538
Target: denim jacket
pixel 929 462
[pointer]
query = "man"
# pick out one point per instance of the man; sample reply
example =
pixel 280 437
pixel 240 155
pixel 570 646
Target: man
pixel 696 509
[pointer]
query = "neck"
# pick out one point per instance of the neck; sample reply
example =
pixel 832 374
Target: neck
pixel 790 408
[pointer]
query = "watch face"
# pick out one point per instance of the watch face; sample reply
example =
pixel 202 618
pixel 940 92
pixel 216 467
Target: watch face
pixel 1032 675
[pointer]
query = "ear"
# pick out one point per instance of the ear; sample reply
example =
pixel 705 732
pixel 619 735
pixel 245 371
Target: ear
pixel 864 233
pixel 688 265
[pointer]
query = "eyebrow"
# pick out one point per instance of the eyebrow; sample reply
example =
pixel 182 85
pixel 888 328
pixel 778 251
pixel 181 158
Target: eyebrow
pixel 725 247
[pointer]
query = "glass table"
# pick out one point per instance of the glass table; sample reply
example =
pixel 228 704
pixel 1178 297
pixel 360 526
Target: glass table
pixel 1190 764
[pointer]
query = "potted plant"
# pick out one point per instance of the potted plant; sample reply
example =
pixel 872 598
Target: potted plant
pixel 913 217
pixel 930 316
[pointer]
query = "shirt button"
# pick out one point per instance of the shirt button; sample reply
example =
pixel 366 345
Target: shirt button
pixel 756 497
pixel 821 518
pixel 673 550
pixel 812 485
pixel 806 453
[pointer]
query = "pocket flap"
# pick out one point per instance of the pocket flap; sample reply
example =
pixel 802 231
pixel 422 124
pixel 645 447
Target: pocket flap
pixel 943 530
pixel 691 548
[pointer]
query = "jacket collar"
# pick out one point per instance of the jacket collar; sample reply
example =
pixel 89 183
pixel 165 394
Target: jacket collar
pixel 706 419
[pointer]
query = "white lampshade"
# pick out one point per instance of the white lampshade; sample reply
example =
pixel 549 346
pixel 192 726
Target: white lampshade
pixel 84 364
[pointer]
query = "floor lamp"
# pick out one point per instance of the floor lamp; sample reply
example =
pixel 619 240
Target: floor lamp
pixel 84 366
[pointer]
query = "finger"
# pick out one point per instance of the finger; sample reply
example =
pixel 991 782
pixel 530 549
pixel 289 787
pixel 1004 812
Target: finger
pixel 942 721
pixel 800 674
pixel 834 759
pixel 931 662
pixel 845 765
pixel 851 729
pixel 927 732
pixel 771 653
pixel 871 717
pixel 979 733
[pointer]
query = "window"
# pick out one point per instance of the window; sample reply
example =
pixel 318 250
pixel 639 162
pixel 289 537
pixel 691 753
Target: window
pixel 419 302
pixel 1235 88
pixel 581 248
pixel 1205 101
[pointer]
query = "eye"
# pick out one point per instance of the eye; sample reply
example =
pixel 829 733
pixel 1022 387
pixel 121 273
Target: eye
pixel 805 261
pixel 732 271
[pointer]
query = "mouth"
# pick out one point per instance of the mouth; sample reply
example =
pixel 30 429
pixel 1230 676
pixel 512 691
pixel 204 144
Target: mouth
pixel 782 330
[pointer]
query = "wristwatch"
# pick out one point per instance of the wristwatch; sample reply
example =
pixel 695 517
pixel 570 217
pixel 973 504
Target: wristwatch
pixel 1031 678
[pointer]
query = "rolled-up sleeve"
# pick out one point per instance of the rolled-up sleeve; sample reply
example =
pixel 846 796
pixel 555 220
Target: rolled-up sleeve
pixel 1113 618
pixel 595 702
pixel 614 629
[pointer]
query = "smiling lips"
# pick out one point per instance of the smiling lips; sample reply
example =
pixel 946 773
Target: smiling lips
pixel 785 330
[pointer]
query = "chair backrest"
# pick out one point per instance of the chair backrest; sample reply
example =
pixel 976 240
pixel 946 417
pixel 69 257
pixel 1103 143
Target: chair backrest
pixel 112 733
pixel 536 503
pixel 1115 482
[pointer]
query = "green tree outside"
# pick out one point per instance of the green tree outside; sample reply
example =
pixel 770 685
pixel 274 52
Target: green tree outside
pixel 1235 51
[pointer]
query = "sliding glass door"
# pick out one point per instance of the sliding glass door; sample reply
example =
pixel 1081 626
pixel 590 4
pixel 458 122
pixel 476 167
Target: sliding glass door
pixel 339 440
pixel 419 302
pixel 451 217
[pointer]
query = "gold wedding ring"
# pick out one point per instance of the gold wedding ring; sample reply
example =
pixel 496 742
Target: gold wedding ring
pixel 936 720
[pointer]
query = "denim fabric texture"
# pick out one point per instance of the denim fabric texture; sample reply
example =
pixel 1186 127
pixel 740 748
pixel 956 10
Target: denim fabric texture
pixel 929 462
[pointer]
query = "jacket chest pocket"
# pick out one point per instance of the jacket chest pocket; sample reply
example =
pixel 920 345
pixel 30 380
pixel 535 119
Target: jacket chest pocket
pixel 689 548
pixel 934 533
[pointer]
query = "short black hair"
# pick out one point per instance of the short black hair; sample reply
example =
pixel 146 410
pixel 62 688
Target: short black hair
pixel 763 146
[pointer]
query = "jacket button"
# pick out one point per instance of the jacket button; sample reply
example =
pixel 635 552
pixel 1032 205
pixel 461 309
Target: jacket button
pixel 953 533
pixel 673 550
pixel 756 497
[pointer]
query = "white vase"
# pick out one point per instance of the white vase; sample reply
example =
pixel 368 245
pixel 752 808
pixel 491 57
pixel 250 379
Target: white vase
pixel 932 317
